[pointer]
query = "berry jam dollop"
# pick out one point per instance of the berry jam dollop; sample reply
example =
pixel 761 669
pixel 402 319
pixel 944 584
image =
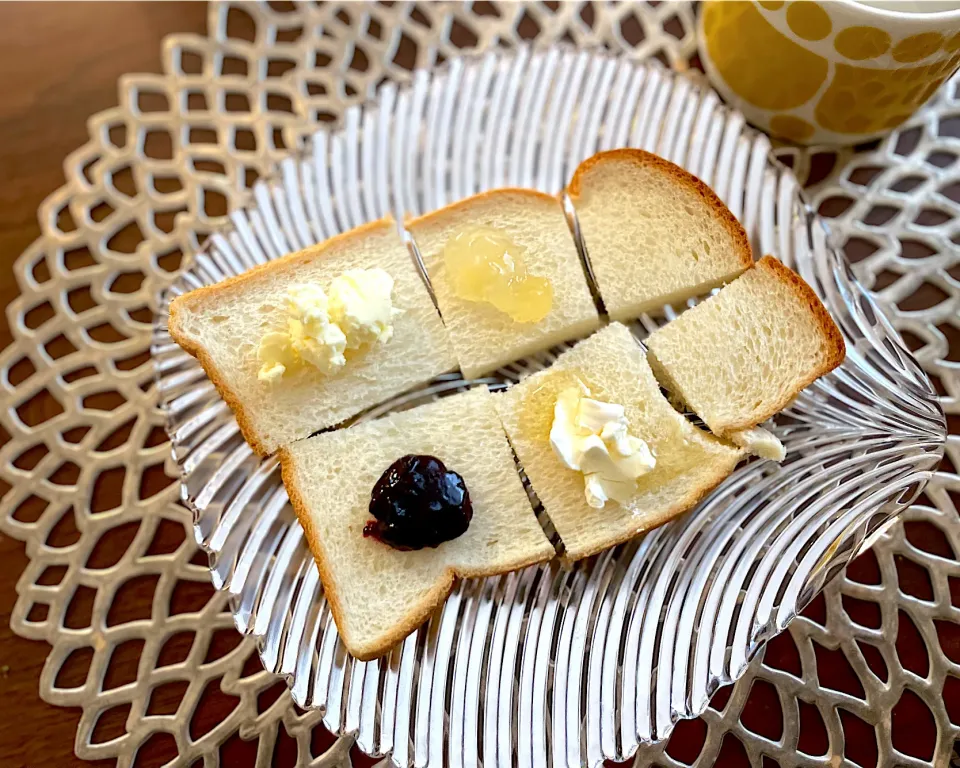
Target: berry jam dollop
pixel 418 503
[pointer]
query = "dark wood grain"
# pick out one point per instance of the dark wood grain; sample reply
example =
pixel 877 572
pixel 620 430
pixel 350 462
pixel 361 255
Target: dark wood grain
pixel 59 64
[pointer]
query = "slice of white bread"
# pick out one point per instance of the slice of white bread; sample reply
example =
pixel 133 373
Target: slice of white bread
pixel 612 364
pixel 484 337
pixel 221 325
pixel 742 355
pixel 653 233
pixel 378 595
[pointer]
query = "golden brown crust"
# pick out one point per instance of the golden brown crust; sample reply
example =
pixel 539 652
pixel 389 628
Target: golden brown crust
pixel 208 292
pixel 188 345
pixel 645 159
pixel 257 272
pixel 833 346
pixel 437 216
pixel 683 505
pixel 361 651
pixel 416 615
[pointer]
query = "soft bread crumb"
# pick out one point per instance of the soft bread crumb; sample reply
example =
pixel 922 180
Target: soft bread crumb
pixel 742 355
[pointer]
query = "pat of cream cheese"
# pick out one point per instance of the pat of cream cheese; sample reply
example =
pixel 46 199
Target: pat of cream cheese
pixel 592 437
pixel 358 312
pixel 759 442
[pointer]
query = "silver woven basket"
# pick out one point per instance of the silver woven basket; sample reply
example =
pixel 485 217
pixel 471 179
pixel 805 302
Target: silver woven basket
pixel 569 666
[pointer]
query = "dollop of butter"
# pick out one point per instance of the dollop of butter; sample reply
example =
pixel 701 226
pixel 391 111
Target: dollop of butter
pixel 759 442
pixel 360 304
pixel 275 354
pixel 358 312
pixel 592 437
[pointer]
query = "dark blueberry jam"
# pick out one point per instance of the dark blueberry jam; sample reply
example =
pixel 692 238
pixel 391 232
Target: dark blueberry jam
pixel 418 503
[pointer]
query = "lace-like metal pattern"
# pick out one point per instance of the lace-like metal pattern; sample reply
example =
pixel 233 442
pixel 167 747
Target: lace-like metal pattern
pixel 79 405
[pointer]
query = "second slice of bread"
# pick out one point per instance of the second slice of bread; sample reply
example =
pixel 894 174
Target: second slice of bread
pixel 654 234
pixel 689 462
pixel 741 356
pixel 377 594
pixel 222 325
pixel 483 337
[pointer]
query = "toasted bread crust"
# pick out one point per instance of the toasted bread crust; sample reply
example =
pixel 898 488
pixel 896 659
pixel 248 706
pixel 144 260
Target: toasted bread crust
pixel 834 348
pixel 833 340
pixel 416 615
pixel 684 178
pixel 189 345
pixel 527 195
pixel 308 254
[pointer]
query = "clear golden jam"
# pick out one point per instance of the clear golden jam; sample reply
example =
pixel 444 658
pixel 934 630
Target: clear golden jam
pixel 483 264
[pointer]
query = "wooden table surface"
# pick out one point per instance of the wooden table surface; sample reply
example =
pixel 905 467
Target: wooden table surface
pixel 59 64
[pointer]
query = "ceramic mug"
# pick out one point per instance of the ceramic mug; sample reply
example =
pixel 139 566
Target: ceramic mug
pixel 837 72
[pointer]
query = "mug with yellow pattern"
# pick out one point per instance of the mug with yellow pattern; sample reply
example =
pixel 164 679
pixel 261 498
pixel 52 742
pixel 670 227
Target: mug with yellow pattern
pixel 828 71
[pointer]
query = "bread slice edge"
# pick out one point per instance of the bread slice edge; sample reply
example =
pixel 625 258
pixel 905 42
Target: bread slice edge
pixel 419 612
pixel 630 313
pixel 455 207
pixel 578 332
pixel 643 158
pixel 258 270
pixel 682 506
pixel 832 343
pixel 197 350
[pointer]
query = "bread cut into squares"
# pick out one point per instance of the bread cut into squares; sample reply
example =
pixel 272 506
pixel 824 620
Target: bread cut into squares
pixel 653 233
pixel 742 355
pixel 689 462
pixel 484 337
pixel 377 594
pixel 222 324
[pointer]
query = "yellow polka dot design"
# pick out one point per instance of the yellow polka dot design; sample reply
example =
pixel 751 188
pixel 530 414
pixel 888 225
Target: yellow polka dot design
pixel 868 100
pixel 859 43
pixel 791 128
pixel 790 74
pixel 917 47
pixel 806 71
pixel 808 20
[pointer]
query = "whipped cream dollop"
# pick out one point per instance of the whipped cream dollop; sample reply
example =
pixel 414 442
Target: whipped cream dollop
pixel 357 312
pixel 593 437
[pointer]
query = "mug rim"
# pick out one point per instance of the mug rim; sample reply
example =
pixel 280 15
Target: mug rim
pixel 891 14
